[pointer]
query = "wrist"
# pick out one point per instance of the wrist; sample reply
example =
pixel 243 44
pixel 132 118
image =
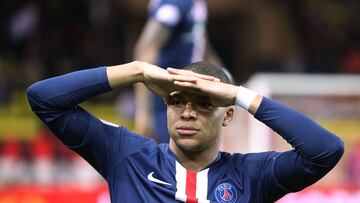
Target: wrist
pixel 125 74
pixel 244 97
pixel 138 71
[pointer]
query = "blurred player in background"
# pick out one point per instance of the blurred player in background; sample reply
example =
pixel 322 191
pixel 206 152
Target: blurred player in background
pixel 190 168
pixel 174 36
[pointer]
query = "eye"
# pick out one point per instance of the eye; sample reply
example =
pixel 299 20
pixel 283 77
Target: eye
pixel 205 104
pixel 176 101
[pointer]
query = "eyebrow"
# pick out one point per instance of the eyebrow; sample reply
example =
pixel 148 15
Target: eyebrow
pixel 176 93
pixel 197 96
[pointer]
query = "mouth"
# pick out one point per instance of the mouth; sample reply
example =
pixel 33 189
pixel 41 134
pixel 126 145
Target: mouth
pixel 186 130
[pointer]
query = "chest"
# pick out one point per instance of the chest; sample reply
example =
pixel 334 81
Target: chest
pixel 160 180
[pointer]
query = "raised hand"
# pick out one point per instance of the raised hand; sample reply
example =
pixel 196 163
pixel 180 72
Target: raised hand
pixel 161 82
pixel 220 94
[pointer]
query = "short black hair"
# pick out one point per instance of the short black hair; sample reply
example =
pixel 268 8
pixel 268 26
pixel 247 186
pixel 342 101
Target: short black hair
pixel 206 68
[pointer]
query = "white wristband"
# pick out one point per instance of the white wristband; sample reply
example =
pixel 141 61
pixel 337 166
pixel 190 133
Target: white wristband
pixel 244 97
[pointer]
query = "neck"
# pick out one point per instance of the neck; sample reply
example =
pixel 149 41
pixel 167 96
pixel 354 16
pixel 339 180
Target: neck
pixel 195 160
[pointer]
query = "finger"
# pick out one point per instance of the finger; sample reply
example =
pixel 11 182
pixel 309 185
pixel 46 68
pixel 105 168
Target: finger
pixel 182 78
pixel 186 85
pixel 191 73
pixel 206 77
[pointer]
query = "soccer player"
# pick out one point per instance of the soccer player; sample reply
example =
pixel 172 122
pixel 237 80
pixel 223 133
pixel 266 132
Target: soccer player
pixel 190 168
pixel 174 36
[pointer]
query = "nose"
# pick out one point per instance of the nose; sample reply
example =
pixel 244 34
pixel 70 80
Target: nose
pixel 189 112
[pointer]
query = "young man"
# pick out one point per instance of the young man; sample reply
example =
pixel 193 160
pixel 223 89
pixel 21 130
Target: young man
pixel 174 36
pixel 190 168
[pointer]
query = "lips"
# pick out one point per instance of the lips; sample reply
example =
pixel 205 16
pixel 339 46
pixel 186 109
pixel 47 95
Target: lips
pixel 187 130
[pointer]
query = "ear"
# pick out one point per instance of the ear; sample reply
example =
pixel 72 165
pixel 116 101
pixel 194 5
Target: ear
pixel 228 115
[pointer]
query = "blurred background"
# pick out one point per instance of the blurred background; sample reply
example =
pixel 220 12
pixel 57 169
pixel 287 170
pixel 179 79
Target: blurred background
pixel 303 53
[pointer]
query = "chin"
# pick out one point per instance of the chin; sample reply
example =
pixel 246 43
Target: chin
pixel 188 145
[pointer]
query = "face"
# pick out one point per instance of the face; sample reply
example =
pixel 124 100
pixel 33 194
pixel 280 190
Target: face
pixel 194 123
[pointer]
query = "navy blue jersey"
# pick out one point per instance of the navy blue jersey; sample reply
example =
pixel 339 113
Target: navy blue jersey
pixel 138 170
pixel 186 21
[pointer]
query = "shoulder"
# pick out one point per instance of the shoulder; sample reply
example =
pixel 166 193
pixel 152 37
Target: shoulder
pixel 180 4
pixel 255 161
pixel 169 12
pixel 251 157
pixel 120 134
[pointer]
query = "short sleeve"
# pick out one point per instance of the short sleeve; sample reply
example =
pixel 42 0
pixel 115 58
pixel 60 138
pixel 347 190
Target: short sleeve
pixel 169 13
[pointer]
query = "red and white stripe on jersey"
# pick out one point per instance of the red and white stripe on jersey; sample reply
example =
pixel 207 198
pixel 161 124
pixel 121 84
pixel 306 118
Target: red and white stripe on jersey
pixel 191 187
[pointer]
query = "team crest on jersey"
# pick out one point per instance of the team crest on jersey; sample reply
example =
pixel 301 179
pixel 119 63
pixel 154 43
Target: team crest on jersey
pixel 225 193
